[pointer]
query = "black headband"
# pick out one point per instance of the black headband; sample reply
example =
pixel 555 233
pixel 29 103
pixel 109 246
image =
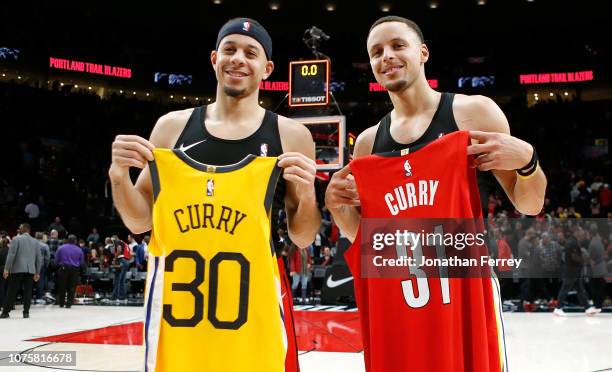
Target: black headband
pixel 248 27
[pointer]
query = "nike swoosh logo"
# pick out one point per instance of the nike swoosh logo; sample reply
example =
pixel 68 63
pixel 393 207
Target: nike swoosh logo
pixel 331 283
pixel 185 148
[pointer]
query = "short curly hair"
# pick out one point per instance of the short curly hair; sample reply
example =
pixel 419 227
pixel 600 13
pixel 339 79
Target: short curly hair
pixel 411 24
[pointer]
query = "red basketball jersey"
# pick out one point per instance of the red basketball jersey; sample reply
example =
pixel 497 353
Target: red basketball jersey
pixel 458 330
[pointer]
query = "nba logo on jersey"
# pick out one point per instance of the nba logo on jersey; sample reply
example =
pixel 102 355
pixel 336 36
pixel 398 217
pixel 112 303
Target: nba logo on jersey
pixel 210 187
pixel 407 168
pixel 263 149
pixel 246 26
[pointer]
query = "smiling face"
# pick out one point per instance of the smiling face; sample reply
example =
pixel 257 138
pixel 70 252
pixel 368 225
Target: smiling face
pixel 240 64
pixel 396 55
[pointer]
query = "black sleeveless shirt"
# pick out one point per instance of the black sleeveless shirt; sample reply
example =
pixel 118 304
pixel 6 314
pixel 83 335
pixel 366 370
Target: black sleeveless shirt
pixel 208 149
pixel 200 145
pixel 443 122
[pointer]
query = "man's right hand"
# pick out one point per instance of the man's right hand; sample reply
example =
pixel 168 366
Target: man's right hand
pixel 341 190
pixel 129 151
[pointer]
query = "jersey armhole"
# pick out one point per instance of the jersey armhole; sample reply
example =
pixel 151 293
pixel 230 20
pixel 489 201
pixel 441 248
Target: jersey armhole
pixel 472 175
pixel 154 179
pixel 451 100
pixel 356 172
pixel 196 114
pixel 271 188
pixel 380 133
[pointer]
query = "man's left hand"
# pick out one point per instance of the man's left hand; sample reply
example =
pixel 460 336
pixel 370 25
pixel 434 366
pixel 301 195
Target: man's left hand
pixel 36 277
pixel 5 274
pixel 300 170
pixel 499 151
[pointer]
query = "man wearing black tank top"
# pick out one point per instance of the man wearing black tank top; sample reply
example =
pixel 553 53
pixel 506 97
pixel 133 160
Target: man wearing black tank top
pixel 420 115
pixel 223 133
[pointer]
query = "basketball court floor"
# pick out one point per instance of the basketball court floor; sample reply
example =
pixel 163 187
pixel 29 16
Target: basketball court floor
pixel 109 338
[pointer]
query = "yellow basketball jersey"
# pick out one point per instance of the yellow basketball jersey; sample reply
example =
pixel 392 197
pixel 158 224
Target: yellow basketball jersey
pixel 213 298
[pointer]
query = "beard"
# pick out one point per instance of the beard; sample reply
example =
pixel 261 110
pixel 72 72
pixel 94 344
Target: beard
pixel 233 92
pixel 397 86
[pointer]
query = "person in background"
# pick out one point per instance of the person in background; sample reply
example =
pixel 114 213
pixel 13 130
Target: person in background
pixel 549 253
pixel 300 267
pixel 93 237
pixel 53 242
pixel 572 276
pixel 108 245
pixel 57 225
pixel 132 243
pixel 23 263
pixel 69 258
pixel 46 253
pixel 140 255
pixel 327 257
pixel 32 211
pixel 598 268
pixel 94 256
pixel 121 263
pixel 526 251
pixel 4 249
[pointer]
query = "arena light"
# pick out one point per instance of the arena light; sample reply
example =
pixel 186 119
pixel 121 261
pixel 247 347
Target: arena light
pixel 217 2
pixel 89 88
pixel 121 91
pixel 537 98
pixel 330 7
pixel 134 93
pixel 184 97
pixel 19 77
pixel 482 2
pixel 274 6
pixel 433 5
pixel 565 93
pixel 171 97
pixel 147 94
pixel 168 78
pixel 61 84
pixel 76 85
pixel 476 81
pixel 385 8
pixel 207 99
pixel 551 94
pixel 4 75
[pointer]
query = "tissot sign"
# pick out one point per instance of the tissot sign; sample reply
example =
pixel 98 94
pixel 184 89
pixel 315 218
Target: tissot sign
pixel 89 67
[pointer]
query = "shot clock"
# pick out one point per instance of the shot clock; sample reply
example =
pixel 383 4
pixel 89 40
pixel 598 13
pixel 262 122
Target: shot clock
pixel 309 83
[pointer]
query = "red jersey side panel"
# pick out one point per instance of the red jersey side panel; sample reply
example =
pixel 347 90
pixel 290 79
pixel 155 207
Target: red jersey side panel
pixel 291 360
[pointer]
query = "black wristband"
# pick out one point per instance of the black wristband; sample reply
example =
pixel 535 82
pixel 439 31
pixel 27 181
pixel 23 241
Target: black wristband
pixel 531 167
